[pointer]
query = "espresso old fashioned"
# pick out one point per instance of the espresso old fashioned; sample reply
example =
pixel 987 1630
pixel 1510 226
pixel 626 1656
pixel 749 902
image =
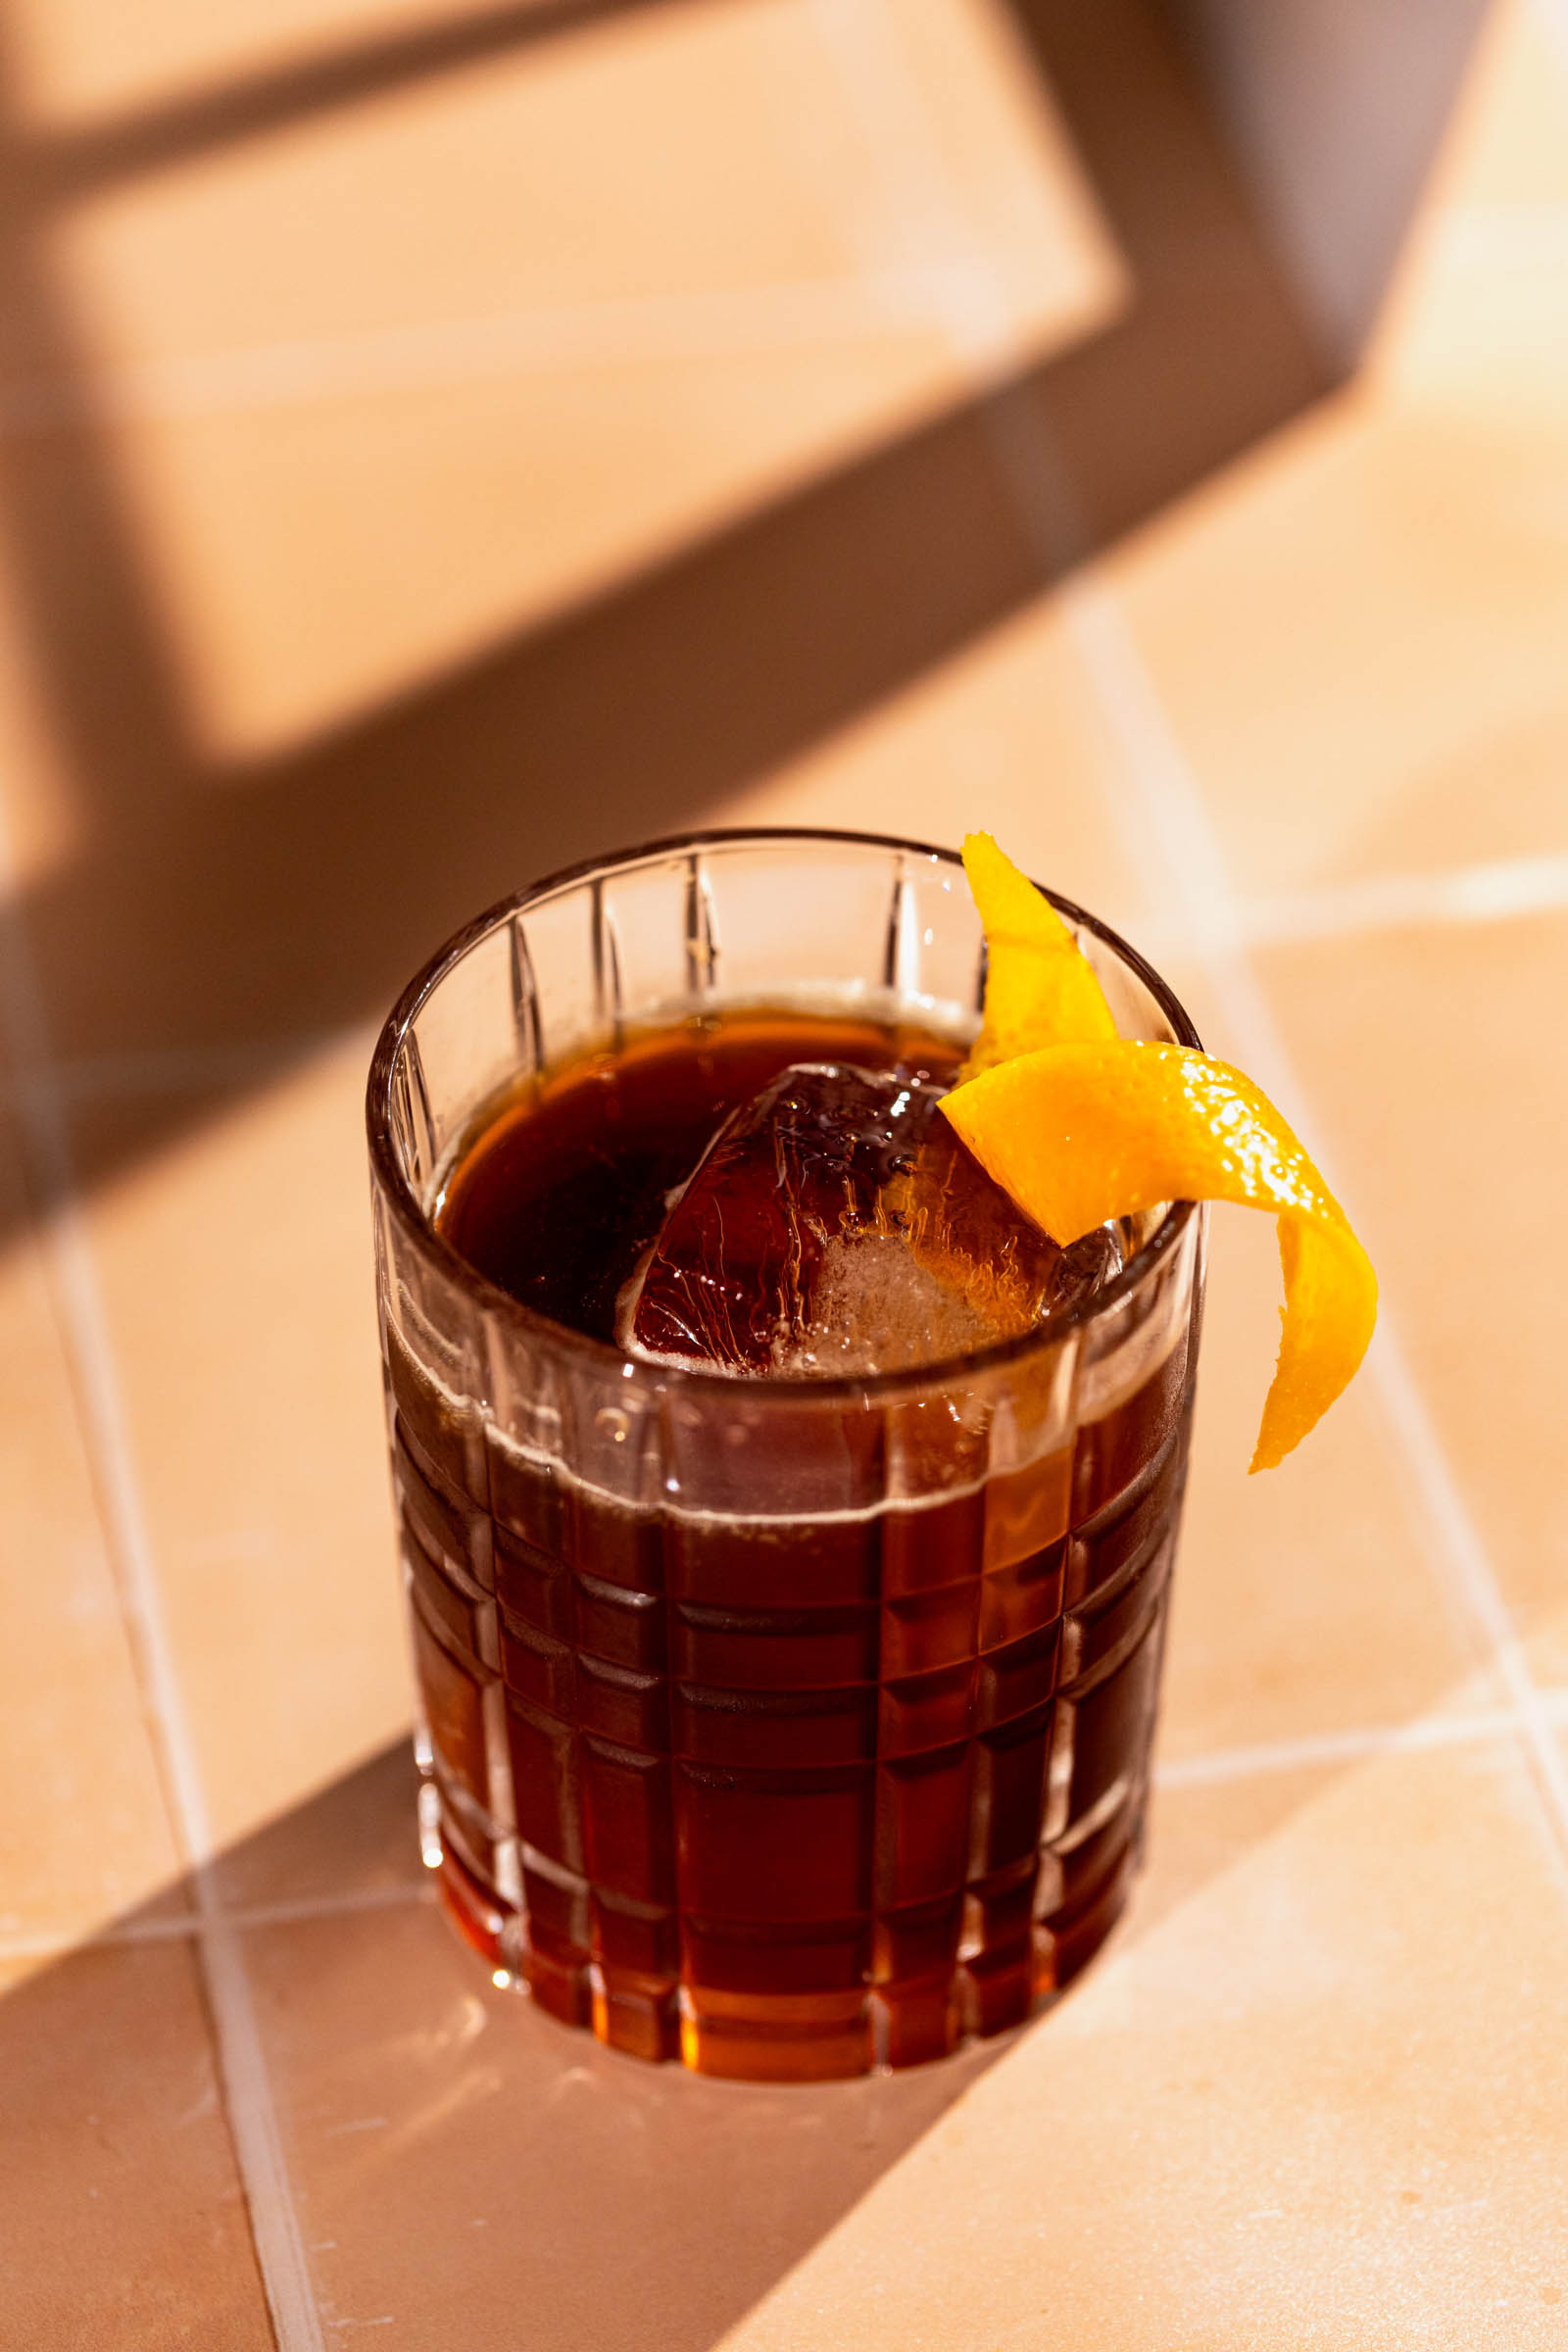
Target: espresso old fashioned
pixel 787 1521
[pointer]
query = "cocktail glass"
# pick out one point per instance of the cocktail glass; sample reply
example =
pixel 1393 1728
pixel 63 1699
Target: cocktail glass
pixel 792 1727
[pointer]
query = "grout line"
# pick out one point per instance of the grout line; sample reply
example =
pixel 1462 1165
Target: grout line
pixel 1213 1766
pixel 910 212
pixel 153 1070
pixel 1174 846
pixel 1172 827
pixel 169 1926
pixel 175 1069
pixel 1425 1733
pixel 241 2064
pixel 623 330
pixel 1420 1735
pixel 1216 1766
pixel 921 204
pixel 408 1895
pixel 1471 1570
pixel 1492 891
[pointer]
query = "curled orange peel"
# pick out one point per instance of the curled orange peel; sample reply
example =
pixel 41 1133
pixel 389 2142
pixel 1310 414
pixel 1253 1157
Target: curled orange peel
pixel 1082 1129
pixel 1040 990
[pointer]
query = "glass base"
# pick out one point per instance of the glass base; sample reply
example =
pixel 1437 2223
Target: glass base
pixel 753 2034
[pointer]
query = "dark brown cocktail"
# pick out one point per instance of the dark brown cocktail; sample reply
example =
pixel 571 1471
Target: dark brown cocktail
pixel 788 1524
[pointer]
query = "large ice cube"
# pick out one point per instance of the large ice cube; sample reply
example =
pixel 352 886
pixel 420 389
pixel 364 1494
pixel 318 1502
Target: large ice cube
pixel 837 1225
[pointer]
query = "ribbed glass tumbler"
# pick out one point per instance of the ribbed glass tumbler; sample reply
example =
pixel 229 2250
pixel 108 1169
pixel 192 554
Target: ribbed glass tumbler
pixel 792 1727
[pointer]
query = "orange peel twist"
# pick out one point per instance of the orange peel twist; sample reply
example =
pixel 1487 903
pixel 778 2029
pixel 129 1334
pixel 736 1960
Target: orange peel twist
pixel 1038 989
pixel 1081 1126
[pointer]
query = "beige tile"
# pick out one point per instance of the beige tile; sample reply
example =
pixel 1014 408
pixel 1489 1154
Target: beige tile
pixel 1439 1060
pixel 1208 354
pixel 1305 1602
pixel 1504 141
pixel 388 560
pixel 125 2223
pixel 237 1274
pixel 950 136
pixel 21 1964
pixel 475 490
pixel 300 893
pixel 1308 1601
pixel 536 175
pixel 1356 630
pixel 1478 327
pixel 83 1831
pixel 313 561
pixel 374 397
pixel 42 808
pixel 679 149
pixel 1356 635
pixel 458 2156
pixel 83 59
pixel 353 1842
pixel 1003 735
pixel 1297 2111
pixel 461 451
pixel 1474 320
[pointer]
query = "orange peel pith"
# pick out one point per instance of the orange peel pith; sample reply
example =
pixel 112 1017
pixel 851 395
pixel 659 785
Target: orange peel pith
pixel 1040 990
pixel 1083 1126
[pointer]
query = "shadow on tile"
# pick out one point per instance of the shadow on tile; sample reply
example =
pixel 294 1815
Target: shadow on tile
pixel 126 2221
pixel 211 906
pixel 459 2164
pixel 54 168
pixel 455 2156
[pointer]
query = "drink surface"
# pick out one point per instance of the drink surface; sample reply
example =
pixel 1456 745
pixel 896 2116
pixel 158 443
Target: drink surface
pixel 773 1193
pixel 787 1790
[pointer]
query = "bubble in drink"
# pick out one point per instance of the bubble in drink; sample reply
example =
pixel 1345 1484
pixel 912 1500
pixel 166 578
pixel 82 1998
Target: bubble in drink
pixel 835 1224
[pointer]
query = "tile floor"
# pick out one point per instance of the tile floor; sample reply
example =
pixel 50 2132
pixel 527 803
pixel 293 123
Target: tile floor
pixel 436 442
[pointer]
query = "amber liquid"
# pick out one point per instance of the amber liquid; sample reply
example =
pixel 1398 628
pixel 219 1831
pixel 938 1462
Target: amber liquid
pixel 790 1797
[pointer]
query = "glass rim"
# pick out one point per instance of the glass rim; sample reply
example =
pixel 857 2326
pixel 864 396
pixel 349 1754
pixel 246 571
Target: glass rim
pixel 693 1381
